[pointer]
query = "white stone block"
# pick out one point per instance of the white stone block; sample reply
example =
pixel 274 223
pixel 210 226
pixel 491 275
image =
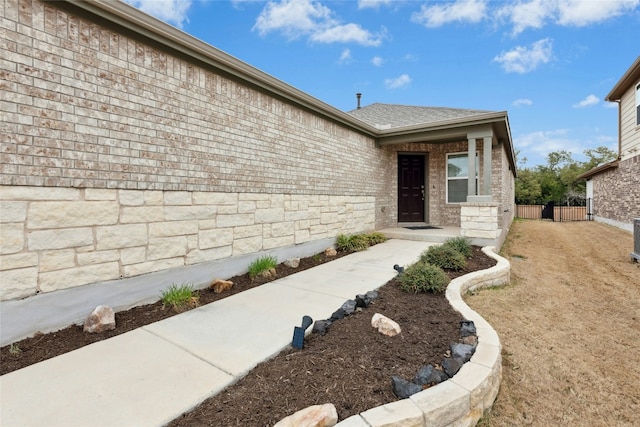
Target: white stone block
pixel 281 229
pixel 302 236
pixel 245 206
pixel 443 403
pixel 71 214
pixel 130 256
pixel 153 198
pixel 186 213
pixel 25 193
pixel 13 212
pixel 131 197
pixel 353 421
pixel 247 245
pixel 97 257
pixel 100 194
pixel 329 218
pixel 476 379
pixel 402 413
pixel 173 228
pixel 215 238
pixel 248 231
pixel 62 279
pixel 18 283
pixel 121 236
pixel 10 262
pixel 141 214
pixel 224 221
pixel 270 215
pixel 215 199
pixel 179 198
pixel 166 247
pixel 60 238
pixel 57 260
pixel 11 238
pixel 197 256
pixel 227 209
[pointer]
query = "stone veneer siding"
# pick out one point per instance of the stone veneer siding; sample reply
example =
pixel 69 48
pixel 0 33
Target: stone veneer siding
pixel 616 193
pixel 119 158
pixel 56 238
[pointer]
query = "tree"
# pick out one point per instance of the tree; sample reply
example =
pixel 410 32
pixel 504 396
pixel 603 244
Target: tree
pixel 557 179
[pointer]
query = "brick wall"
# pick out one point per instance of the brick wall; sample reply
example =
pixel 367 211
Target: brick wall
pixel 119 158
pixel 616 192
pixel 86 106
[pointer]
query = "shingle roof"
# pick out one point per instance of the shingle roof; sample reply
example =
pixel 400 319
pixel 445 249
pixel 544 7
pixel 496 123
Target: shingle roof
pixel 389 116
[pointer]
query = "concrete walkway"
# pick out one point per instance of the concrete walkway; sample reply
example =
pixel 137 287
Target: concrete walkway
pixel 151 375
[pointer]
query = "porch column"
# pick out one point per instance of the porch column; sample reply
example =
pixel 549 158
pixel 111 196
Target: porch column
pixel 485 133
pixel 471 185
pixel 486 166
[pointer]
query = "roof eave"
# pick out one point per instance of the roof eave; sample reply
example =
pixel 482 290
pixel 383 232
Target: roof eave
pixel 598 169
pixel 630 77
pixel 450 130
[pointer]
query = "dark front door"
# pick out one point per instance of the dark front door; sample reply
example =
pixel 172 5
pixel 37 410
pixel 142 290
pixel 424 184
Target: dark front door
pixel 411 191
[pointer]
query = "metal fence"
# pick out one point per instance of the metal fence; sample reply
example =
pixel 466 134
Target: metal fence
pixel 556 212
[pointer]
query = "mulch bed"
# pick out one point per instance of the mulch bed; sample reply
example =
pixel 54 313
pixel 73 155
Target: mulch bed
pixel 350 366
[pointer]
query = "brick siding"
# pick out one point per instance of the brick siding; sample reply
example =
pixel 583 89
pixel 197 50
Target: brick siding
pixel 616 192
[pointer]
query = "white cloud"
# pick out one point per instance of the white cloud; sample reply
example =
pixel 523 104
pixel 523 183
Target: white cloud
pixel 377 61
pixel 521 102
pixel 398 82
pixel 171 11
pixel 587 102
pixel 345 56
pixel 346 34
pixel 538 13
pixel 373 4
pixel 535 146
pixel 293 17
pixel 461 10
pixel 525 59
pixel 309 18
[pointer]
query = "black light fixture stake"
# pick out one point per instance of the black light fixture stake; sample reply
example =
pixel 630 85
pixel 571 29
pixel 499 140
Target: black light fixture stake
pixel 298 332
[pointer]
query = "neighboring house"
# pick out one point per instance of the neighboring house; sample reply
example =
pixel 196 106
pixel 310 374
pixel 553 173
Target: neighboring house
pixel 615 186
pixel 134 156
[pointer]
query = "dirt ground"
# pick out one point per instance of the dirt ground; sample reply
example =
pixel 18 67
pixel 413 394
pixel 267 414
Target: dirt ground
pixel 569 324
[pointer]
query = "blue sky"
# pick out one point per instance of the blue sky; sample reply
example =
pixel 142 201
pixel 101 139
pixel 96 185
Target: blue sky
pixel 549 63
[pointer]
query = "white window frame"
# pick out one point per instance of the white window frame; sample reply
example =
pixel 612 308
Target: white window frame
pixel 466 178
pixel 638 104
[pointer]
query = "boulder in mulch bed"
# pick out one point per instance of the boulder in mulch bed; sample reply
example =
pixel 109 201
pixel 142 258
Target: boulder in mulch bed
pixel 313 416
pixel 101 319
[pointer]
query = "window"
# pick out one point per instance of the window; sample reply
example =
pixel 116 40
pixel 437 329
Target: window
pixel 638 105
pixel 458 177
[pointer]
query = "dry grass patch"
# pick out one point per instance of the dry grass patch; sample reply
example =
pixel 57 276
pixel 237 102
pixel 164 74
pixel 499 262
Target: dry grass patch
pixel 569 325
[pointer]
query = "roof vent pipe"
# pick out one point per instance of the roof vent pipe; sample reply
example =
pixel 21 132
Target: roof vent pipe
pixel 358 95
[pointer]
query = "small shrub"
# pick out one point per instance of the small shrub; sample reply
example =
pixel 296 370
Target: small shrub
pixel 14 349
pixel 262 264
pixel 444 257
pixel 423 277
pixel 180 298
pixel 342 242
pixel 375 238
pixel 461 244
pixel 353 243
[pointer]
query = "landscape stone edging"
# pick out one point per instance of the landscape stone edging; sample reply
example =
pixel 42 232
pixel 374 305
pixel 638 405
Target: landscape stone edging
pixel 463 399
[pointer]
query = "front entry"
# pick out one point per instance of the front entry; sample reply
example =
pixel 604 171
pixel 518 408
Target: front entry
pixel 411 188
